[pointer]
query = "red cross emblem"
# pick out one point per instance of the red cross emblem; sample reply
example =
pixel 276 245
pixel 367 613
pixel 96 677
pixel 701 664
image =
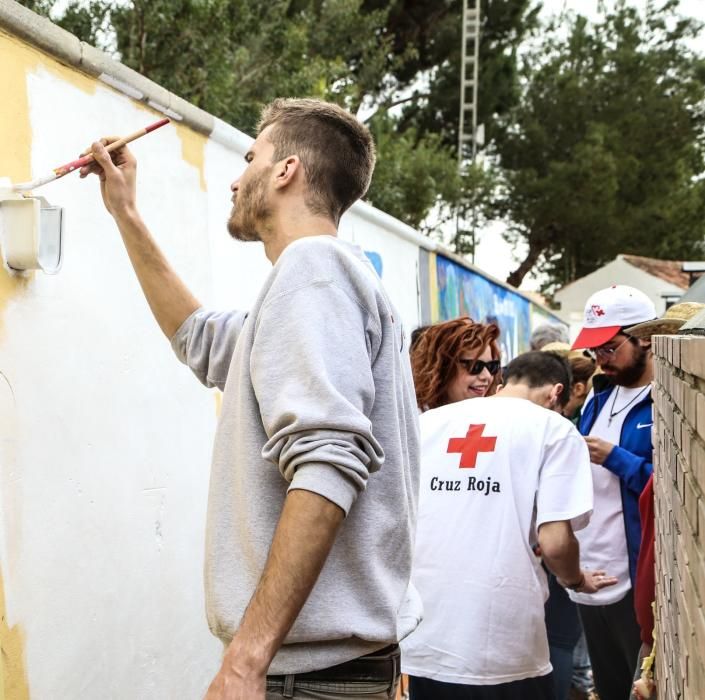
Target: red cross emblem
pixel 471 445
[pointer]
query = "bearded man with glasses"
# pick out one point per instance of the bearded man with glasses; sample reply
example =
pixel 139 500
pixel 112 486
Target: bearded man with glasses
pixel 616 422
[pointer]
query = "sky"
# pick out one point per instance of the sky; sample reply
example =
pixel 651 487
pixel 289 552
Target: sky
pixel 493 254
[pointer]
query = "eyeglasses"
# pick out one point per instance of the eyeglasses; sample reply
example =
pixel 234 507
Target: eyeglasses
pixel 476 366
pixel 607 353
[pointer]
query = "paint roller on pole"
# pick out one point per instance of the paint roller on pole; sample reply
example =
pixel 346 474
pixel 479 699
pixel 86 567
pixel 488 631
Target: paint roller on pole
pixel 85 160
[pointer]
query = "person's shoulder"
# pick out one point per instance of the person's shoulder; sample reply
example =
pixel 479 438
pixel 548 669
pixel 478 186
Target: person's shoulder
pixel 322 247
pixel 322 257
pixel 516 407
pixel 530 416
pixel 462 408
pixel 559 422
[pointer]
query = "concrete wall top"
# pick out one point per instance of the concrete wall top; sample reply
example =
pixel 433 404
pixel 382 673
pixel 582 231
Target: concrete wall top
pixel 67 48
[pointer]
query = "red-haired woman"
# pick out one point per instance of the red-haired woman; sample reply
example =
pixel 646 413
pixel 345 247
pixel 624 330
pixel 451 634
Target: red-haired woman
pixel 455 360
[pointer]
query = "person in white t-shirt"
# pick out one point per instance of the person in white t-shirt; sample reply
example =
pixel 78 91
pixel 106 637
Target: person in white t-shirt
pixel 502 478
pixel 616 421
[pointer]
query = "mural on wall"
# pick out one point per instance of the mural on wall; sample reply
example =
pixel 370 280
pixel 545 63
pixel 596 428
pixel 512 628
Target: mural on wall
pixel 376 260
pixel 460 291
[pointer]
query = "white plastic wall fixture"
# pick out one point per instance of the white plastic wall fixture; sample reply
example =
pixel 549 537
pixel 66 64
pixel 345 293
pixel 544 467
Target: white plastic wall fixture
pixel 31 231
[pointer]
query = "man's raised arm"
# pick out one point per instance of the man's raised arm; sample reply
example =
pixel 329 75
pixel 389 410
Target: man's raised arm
pixel 168 297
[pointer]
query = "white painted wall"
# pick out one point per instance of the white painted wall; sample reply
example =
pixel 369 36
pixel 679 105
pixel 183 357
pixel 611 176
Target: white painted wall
pixel 105 439
pixel 573 296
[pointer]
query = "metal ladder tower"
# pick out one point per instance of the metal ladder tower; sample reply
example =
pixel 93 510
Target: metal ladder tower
pixel 467 124
pixel 469 65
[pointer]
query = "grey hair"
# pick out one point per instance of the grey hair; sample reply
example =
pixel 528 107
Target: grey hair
pixel 548 333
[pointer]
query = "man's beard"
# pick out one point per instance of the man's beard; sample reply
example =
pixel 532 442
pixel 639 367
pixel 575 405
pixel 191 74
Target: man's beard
pixel 250 210
pixel 632 374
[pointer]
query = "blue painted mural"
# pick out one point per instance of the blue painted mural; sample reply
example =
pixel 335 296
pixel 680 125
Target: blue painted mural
pixel 464 292
pixel 376 260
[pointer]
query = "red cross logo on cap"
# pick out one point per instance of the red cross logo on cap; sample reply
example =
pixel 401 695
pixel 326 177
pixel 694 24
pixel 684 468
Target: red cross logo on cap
pixel 471 445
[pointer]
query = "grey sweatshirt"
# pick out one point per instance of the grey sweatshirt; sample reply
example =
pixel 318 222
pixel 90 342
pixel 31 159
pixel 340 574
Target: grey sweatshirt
pixel 318 395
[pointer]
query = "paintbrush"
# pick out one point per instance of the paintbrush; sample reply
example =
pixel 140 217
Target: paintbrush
pixel 56 173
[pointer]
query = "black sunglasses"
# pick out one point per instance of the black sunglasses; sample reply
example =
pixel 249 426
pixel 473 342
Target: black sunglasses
pixel 476 366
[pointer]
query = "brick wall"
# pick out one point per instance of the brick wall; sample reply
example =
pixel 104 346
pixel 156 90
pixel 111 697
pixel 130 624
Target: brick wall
pixel 679 464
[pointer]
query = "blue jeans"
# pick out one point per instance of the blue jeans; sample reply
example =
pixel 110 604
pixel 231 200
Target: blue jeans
pixel 562 662
pixel 582 670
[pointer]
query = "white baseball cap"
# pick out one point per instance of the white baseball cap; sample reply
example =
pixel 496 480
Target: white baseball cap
pixel 610 310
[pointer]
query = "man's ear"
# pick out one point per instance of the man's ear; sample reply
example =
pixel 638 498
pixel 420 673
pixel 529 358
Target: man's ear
pixel 555 396
pixel 286 170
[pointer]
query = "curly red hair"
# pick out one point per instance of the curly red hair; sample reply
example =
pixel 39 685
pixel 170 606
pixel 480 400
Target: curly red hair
pixel 435 354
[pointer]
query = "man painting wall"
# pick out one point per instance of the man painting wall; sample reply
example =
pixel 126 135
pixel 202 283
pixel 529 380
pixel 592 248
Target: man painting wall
pixel 315 467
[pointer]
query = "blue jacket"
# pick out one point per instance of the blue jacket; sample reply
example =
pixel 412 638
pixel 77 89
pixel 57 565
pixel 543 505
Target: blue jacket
pixel 631 460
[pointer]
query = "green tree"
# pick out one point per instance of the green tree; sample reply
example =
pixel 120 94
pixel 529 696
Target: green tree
pixel 436 30
pixel 230 57
pixel 603 153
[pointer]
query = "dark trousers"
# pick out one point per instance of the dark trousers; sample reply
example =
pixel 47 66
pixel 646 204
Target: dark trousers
pixel 563 630
pixel 613 640
pixel 540 688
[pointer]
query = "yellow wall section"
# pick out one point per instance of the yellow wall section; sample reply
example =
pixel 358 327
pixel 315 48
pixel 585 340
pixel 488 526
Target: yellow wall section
pixel 14 110
pixel 15 146
pixel 433 287
pixel 13 675
pixel 15 163
pixel 193 148
pixel 16 61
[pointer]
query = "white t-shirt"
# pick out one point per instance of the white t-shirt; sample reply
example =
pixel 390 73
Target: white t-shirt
pixel 603 543
pixel 492 471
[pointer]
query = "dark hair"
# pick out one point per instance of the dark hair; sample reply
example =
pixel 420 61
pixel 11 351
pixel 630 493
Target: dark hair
pixel 537 369
pixel 415 335
pixel 336 150
pixel 435 353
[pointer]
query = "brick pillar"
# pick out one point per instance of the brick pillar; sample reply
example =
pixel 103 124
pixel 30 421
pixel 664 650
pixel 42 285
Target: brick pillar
pixel 679 483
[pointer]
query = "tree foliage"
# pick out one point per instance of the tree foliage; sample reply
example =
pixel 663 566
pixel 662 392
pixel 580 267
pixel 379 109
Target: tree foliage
pixel 594 131
pixel 603 153
pixel 397 60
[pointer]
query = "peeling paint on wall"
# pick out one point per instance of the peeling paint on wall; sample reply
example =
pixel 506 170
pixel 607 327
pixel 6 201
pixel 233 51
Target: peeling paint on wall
pixel 193 148
pixel 13 674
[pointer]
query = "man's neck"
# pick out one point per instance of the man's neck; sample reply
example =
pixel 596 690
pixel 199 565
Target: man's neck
pixel 515 391
pixel 286 227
